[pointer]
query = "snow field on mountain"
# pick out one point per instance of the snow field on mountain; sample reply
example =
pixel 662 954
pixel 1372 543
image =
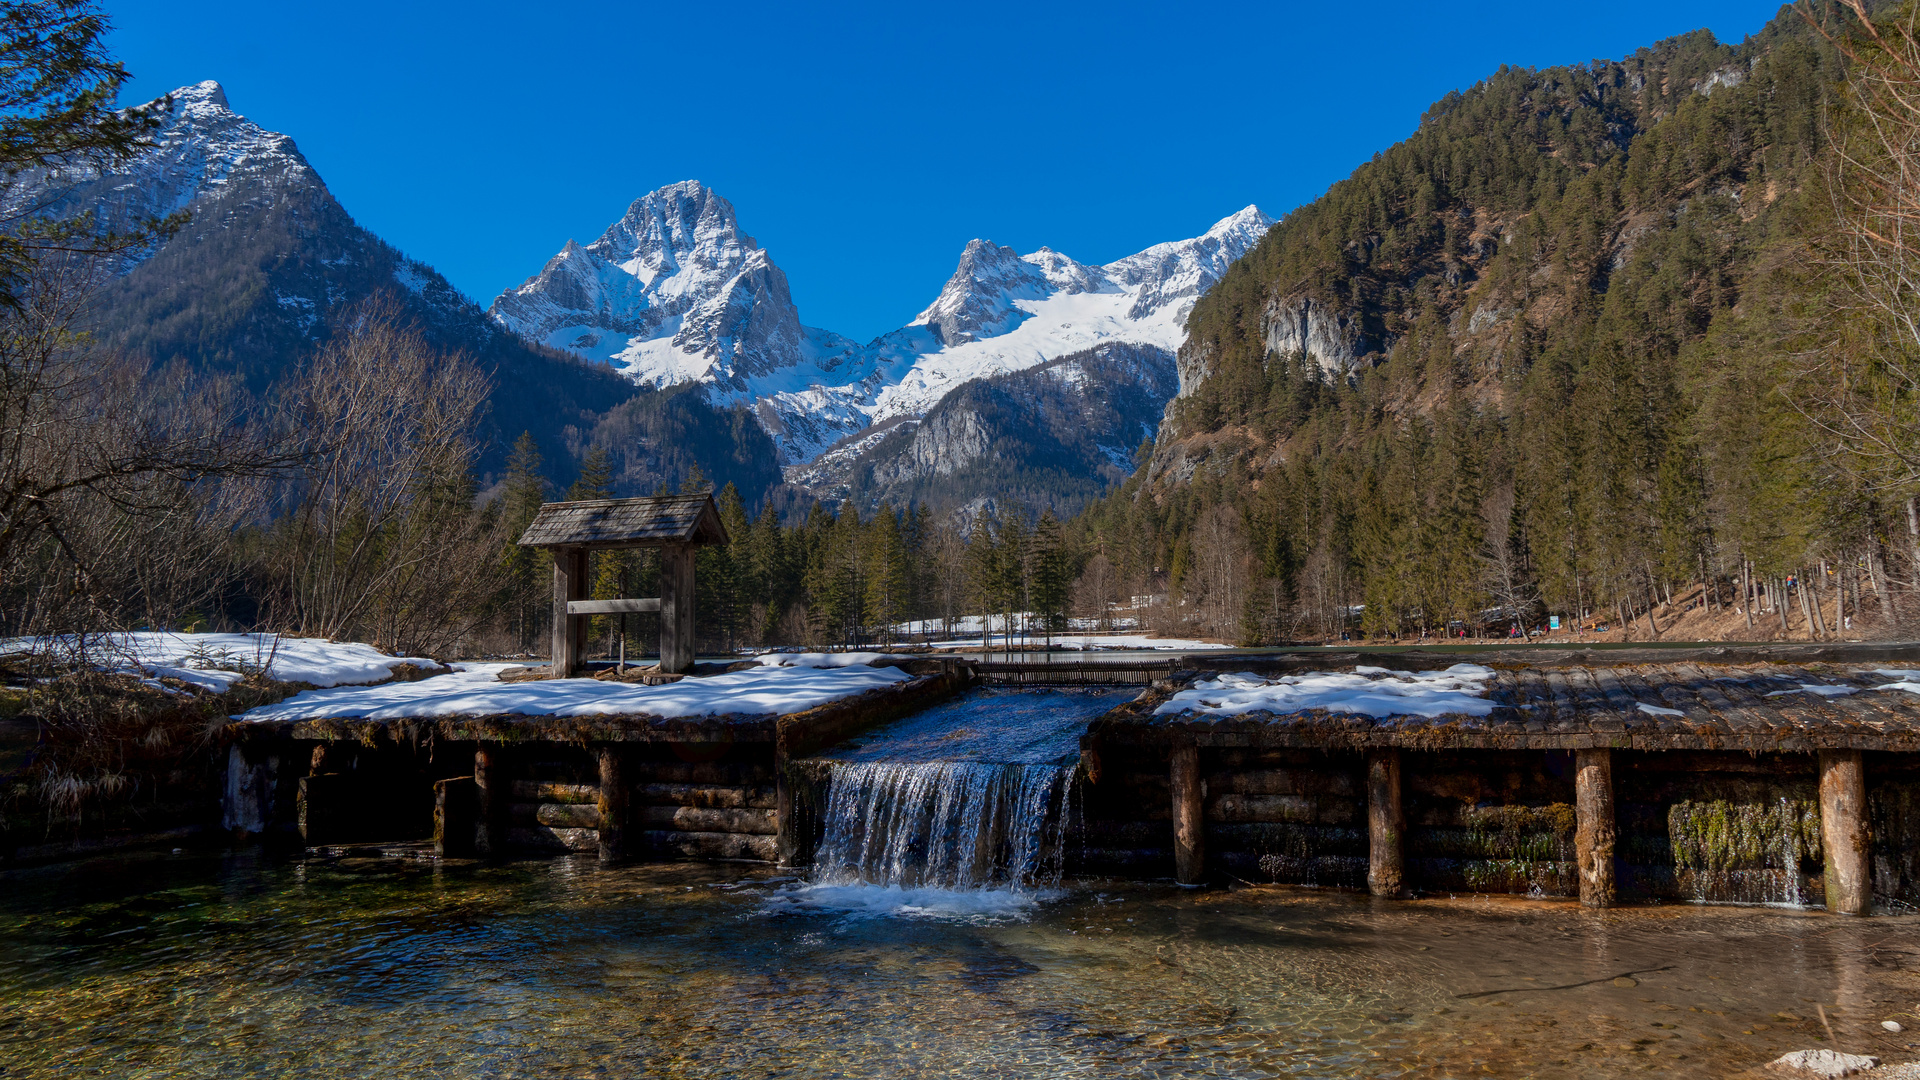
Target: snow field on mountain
pixel 676 292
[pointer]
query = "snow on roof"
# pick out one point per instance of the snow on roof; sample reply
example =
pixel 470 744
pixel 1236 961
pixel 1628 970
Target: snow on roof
pixel 661 519
pixel 475 690
pixel 1367 691
pixel 217 661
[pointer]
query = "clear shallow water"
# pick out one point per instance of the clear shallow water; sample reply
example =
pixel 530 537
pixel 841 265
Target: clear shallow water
pixel 238 966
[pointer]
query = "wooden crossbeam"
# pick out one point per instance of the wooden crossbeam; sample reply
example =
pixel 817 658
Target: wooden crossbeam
pixel 613 607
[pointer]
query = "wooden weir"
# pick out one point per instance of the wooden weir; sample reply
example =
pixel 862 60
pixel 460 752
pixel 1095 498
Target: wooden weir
pixel 1608 776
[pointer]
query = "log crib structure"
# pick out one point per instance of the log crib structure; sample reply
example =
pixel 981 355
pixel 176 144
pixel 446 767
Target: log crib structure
pixel 625 787
pixel 1772 774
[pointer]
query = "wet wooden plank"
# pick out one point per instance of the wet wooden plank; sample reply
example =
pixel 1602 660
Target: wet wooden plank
pixel 1662 687
pixel 1623 703
pixel 1737 718
pixel 1740 687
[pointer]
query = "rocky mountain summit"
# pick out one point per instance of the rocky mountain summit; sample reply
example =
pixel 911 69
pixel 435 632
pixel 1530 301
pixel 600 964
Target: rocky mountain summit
pixel 675 292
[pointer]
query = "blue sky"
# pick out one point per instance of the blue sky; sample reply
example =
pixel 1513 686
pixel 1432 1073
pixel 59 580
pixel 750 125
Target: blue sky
pixel 863 145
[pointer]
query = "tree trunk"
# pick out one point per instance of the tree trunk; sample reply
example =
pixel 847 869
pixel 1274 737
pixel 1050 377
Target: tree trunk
pixel 1386 824
pixel 1593 838
pixel 1780 601
pixel 612 802
pixel 1913 542
pixel 1746 591
pixel 1189 822
pixel 1844 832
pixel 1819 619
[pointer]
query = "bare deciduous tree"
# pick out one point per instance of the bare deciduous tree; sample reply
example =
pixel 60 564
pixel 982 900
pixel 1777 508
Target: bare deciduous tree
pixel 382 540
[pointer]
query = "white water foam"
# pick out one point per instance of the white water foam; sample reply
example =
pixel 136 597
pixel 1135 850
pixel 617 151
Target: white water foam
pixel 861 900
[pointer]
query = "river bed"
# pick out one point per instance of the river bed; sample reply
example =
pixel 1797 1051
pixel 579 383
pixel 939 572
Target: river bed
pixel 242 965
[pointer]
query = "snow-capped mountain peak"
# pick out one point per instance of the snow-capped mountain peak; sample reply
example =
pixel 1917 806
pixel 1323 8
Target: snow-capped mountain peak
pixel 675 292
pixel 202 151
pixel 672 292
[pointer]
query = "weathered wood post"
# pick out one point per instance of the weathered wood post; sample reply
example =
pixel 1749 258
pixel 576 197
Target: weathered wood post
pixel 676 608
pixel 1189 816
pixel 613 803
pixel 1386 824
pixel 491 797
pixel 453 817
pixel 569 630
pixel 1593 836
pixel 1843 832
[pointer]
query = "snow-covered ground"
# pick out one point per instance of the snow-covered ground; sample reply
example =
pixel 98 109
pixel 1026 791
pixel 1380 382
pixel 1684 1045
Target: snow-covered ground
pixel 476 690
pixel 969 625
pixel 217 661
pixel 1366 691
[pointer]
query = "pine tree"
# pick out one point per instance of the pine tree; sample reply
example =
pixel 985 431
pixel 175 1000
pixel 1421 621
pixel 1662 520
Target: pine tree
pixel 527 570
pixel 596 477
pixel 886 562
pixel 1047 557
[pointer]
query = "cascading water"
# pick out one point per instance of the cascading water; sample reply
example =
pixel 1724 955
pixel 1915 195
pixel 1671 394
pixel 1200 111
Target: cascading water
pixel 946 825
pixel 973 794
pixel 1753 848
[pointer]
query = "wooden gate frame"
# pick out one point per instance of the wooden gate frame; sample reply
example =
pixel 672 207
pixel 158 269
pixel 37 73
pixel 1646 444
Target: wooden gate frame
pixel 675 524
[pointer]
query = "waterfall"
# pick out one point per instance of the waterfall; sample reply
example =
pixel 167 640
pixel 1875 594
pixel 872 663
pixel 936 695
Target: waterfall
pixel 945 825
pixel 1745 851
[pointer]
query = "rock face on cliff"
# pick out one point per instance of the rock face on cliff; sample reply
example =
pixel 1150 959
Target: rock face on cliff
pixel 671 293
pixel 675 293
pixel 1052 436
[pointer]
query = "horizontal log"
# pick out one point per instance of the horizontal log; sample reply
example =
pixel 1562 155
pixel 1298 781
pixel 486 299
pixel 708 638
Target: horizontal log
pixel 1126 834
pixel 1286 809
pixel 1283 782
pixel 539 791
pixel 703 819
pixel 719 773
pixel 1335 871
pixel 1148 862
pixel 697 845
pixel 727 797
pixel 648 606
pixel 542 838
pixel 557 815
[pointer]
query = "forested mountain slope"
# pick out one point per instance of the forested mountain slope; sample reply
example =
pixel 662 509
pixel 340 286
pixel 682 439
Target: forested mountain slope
pixel 269 260
pixel 1535 351
pixel 1052 437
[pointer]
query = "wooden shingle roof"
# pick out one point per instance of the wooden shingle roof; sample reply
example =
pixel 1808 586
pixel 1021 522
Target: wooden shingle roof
pixel 615 523
pixel 1683 703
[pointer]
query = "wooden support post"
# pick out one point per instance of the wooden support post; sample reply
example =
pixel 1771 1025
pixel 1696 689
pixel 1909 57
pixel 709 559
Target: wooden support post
pixel 1843 832
pixel 1189 816
pixel 569 630
pixel 453 817
pixel 613 803
pixel 1386 824
pixel 786 836
pixel 1593 835
pixel 492 796
pixel 676 608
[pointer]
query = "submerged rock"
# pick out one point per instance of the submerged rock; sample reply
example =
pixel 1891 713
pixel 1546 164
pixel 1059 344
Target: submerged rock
pixel 1822 1063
